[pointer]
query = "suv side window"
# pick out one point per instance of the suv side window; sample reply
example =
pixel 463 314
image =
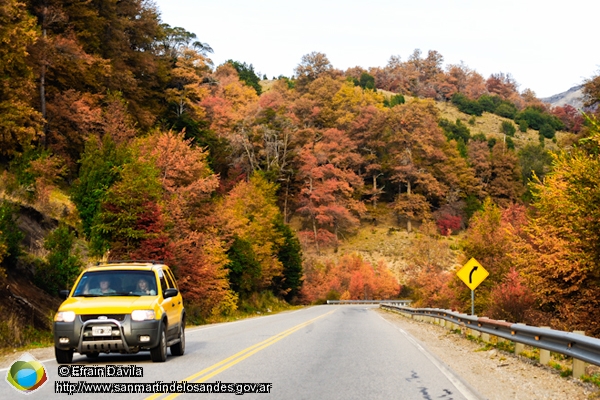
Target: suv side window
pixel 163 280
pixel 171 279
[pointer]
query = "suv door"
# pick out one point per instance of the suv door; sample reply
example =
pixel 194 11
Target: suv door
pixel 171 305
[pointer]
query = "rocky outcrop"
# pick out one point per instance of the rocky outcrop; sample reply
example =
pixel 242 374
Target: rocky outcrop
pixel 572 97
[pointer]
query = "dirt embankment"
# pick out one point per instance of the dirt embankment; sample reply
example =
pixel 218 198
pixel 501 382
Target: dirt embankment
pixel 23 306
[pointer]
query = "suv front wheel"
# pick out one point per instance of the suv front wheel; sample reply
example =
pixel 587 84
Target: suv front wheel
pixel 159 353
pixel 63 356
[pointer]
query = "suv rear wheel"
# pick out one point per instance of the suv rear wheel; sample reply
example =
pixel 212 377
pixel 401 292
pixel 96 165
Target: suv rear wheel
pixel 63 356
pixel 159 353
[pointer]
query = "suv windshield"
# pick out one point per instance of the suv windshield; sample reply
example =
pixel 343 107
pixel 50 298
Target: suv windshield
pixel 116 283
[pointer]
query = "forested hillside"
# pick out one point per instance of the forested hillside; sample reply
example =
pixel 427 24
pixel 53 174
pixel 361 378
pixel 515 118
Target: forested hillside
pixel 120 130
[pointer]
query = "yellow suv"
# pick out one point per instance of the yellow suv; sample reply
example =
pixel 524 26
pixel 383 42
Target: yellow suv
pixel 121 307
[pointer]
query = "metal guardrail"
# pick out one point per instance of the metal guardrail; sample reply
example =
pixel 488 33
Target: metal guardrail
pixel 578 346
pixel 395 302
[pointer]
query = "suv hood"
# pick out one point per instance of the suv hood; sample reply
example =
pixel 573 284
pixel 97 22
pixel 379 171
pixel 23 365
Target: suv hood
pixel 108 305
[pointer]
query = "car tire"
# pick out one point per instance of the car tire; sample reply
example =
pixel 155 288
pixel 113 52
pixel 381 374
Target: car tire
pixel 63 356
pixel 179 348
pixel 159 353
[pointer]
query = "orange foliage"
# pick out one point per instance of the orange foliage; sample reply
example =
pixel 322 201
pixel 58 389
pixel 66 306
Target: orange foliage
pixel 351 277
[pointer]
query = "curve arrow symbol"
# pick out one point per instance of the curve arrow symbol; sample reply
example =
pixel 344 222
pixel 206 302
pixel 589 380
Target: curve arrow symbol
pixel 471 274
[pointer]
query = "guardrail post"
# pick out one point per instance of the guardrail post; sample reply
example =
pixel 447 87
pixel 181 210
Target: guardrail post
pixel 519 347
pixel 578 365
pixel 485 337
pixel 544 354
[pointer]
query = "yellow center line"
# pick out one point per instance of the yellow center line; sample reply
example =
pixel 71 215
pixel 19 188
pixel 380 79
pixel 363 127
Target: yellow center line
pixel 227 363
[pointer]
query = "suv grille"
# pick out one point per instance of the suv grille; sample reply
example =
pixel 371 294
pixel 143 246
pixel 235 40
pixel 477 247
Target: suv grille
pixel 118 317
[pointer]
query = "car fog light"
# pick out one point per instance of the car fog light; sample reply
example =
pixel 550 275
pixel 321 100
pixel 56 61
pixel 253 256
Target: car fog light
pixel 144 338
pixel 63 340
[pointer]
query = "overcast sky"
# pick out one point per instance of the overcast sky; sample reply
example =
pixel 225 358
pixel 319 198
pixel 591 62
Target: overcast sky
pixel 545 47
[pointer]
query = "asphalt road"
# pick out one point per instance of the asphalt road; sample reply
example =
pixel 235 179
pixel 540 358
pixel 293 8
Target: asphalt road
pixel 323 352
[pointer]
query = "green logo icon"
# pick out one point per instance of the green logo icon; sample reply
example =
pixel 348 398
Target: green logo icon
pixel 26 374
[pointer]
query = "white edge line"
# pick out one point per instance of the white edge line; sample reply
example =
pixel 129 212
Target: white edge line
pixel 469 393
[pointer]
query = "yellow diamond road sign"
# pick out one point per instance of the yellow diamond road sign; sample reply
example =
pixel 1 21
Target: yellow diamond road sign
pixel 472 274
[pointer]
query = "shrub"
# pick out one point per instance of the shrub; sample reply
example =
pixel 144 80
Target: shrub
pixel 455 131
pixel 366 81
pixel 547 131
pixel 536 117
pixel 523 125
pixel 510 143
pixel 506 110
pixel 449 224
pixel 489 103
pixel 394 101
pixel 511 299
pixel 508 128
pixel 466 105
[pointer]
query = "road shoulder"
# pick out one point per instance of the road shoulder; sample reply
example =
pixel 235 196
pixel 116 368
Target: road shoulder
pixel 493 374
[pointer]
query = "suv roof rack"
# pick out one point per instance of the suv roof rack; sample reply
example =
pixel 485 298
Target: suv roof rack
pixel 130 261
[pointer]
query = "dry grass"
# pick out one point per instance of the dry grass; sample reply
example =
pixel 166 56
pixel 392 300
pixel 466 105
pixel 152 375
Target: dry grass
pixel 381 238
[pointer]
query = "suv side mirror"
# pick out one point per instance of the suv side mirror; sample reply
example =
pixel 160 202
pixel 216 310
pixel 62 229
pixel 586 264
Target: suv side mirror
pixel 170 293
pixel 63 294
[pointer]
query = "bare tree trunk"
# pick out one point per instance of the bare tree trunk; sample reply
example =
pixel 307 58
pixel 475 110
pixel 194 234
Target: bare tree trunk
pixel 314 223
pixel 374 190
pixel 408 222
pixel 285 200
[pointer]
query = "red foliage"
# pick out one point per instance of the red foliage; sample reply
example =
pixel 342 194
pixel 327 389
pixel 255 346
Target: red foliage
pixel 448 224
pixel 511 299
pixel 432 288
pixel 156 244
pixel 569 115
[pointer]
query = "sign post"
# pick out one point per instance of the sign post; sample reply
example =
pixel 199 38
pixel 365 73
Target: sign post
pixel 472 274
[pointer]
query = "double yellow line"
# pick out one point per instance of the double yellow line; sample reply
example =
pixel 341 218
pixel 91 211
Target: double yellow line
pixel 229 362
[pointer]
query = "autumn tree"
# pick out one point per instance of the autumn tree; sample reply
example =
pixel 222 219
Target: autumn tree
pixel 20 123
pixel 329 187
pixel 369 130
pixel 311 66
pixel 560 250
pixel 505 185
pixel 501 84
pixel 185 90
pixel 198 252
pixel 249 216
pixel 416 152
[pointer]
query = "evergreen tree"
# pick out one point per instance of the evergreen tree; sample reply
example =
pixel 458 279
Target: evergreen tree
pixel 290 255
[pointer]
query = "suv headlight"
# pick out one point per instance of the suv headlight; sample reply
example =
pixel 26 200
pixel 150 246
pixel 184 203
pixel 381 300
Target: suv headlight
pixel 65 316
pixel 142 315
